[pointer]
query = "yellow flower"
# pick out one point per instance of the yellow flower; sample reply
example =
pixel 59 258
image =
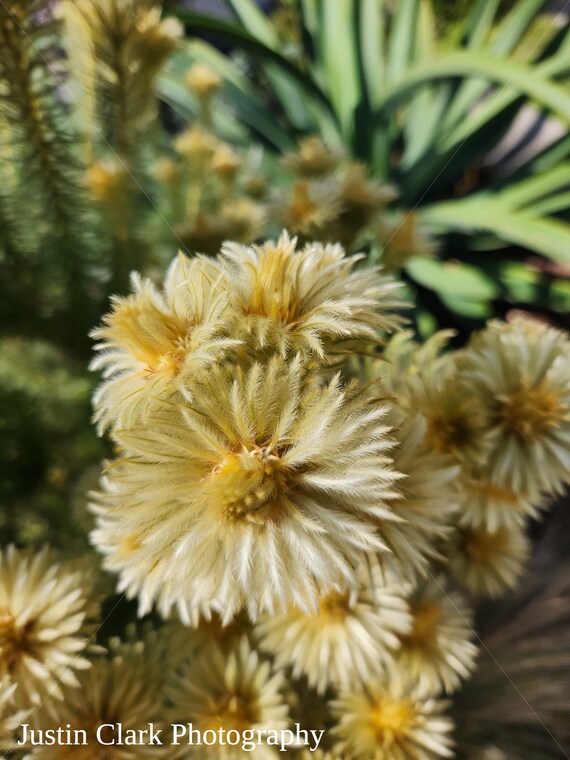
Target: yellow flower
pixel 488 563
pixel 233 691
pixel 426 501
pixel 202 80
pixel 490 506
pixel 260 494
pixel 307 208
pixel 124 689
pixel 312 300
pixel 46 621
pixel 151 339
pixel 519 373
pixel 312 158
pixel 351 636
pixel 401 238
pixel 391 720
pixel 438 652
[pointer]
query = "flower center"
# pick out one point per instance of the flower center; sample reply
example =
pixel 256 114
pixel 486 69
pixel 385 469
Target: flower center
pixel 426 617
pixel 528 412
pixel 481 546
pixel 249 485
pixel 392 720
pixel 335 605
pixel 14 641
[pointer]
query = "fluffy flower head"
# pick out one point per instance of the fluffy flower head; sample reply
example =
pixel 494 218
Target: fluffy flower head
pixel 310 299
pixel 260 493
pixel 234 691
pixel 519 373
pixel 390 720
pixel 437 653
pixel 46 620
pixel 150 339
pixel 349 639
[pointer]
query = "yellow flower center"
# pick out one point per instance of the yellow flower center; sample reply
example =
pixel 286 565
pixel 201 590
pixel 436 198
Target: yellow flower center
pixel 448 433
pixel 392 720
pixel 335 605
pixel 159 341
pixel 249 485
pixel 14 641
pixel 426 618
pixel 482 546
pixel 528 412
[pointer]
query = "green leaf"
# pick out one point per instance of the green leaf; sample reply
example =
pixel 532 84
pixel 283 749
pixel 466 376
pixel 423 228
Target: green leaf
pixel 480 22
pixel 517 76
pixel 372 34
pixel 531 190
pixel 339 59
pixel 452 278
pixel 256 22
pixel 548 237
pixel 402 39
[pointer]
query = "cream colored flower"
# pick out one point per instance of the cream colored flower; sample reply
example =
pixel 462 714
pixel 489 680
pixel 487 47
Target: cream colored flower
pixel 260 494
pixel 312 158
pixel 202 80
pixel 152 338
pixel 233 691
pixel 488 563
pixel 401 238
pixel 519 373
pixel 438 652
pixel 307 208
pixel 427 498
pixel 123 689
pixel 391 720
pixel 349 639
pixel 311 300
pixel 46 622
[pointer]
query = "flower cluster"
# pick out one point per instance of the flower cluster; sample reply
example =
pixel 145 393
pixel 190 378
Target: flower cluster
pixel 310 500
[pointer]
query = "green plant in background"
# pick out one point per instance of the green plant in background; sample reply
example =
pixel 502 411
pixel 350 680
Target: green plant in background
pixel 422 107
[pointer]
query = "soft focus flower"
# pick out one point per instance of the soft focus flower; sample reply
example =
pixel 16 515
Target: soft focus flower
pixel 106 180
pixel 519 373
pixel 391 720
pixel 234 691
pixel 401 237
pixel 261 493
pixel 347 641
pixel 152 338
pixel 202 80
pixel 312 158
pixel 46 621
pixel 307 208
pixel 438 652
pixel 197 145
pixel 123 689
pixel 311 300
pixel 488 563
pixel 427 497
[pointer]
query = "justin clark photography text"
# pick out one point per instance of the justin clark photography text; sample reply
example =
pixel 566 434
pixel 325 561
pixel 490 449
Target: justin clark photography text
pixel 176 734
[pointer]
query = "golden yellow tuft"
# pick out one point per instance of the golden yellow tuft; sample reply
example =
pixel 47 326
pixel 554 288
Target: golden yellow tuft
pixel 125 688
pixel 202 80
pixel 312 158
pixel 234 691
